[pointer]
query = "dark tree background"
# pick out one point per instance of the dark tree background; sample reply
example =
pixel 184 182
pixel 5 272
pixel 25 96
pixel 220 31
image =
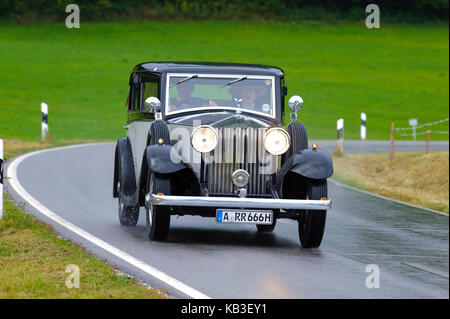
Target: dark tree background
pixel 30 11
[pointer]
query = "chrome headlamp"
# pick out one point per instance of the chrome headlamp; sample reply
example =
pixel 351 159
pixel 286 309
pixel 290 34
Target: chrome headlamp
pixel 204 138
pixel 277 141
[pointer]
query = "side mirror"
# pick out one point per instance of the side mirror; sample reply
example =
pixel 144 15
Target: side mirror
pixel 152 104
pixel 295 103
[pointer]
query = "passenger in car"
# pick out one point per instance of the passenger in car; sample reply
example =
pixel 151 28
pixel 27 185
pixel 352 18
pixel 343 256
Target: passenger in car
pixel 249 94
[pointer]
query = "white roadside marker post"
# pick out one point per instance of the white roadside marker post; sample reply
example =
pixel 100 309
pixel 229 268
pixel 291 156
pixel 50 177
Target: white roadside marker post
pixel 1 178
pixel 413 123
pixel 340 136
pixel 44 130
pixel 363 125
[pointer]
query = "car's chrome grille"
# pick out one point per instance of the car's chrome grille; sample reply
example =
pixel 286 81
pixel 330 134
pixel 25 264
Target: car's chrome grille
pixel 238 148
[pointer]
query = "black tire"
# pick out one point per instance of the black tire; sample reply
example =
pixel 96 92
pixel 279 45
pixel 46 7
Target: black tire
pixel 128 215
pixel 267 228
pixel 311 225
pixel 158 217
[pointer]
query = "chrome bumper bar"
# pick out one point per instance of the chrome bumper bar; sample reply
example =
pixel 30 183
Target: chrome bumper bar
pixel 234 202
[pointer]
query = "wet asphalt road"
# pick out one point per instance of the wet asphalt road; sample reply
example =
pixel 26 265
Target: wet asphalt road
pixel 410 246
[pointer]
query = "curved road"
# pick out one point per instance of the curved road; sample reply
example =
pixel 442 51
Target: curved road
pixel 410 246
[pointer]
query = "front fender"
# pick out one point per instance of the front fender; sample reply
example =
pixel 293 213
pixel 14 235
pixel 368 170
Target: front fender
pixel 124 172
pixel 308 163
pixel 157 159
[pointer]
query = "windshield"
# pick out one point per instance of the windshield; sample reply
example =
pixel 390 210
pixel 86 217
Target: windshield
pixel 187 92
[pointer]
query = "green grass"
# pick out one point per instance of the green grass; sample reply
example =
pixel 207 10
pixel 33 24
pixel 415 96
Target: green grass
pixel 393 73
pixel 33 261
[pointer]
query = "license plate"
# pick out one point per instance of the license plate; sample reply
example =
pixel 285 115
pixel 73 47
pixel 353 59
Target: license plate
pixel 258 217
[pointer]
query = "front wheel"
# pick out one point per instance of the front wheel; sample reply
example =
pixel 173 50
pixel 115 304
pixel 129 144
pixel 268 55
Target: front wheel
pixel 158 217
pixel 311 225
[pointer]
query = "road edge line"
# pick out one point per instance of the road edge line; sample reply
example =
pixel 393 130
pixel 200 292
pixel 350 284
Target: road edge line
pixel 13 181
pixel 387 198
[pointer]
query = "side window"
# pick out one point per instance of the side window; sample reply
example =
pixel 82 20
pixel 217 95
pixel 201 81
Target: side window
pixel 149 87
pixel 137 93
pixel 142 88
pixel 134 96
pixel 128 99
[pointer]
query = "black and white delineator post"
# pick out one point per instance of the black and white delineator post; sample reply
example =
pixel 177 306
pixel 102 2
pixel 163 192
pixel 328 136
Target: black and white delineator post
pixel 363 125
pixel 1 178
pixel 44 111
pixel 340 136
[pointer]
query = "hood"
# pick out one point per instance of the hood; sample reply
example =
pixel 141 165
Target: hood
pixel 223 119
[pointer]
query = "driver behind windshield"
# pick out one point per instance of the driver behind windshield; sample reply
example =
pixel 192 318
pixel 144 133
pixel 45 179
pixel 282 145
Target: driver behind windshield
pixel 184 94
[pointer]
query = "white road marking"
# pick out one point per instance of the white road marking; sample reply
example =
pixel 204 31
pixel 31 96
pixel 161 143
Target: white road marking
pixel 15 184
pixel 387 198
pixel 428 269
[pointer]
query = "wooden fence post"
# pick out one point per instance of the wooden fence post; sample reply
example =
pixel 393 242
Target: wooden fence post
pixel 427 150
pixel 340 135
pixel 391 155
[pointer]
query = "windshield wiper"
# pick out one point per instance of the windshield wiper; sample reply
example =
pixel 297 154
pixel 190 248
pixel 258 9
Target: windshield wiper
pixel 235 81
pixel 186 79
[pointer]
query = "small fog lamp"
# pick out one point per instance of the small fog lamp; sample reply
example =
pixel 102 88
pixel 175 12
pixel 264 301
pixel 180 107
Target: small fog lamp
pixel 240 178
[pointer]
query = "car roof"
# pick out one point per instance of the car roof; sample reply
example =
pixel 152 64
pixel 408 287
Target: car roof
pixel 208 67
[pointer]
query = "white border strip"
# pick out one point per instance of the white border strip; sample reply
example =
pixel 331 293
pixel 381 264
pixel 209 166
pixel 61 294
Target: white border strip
pixel 386 198
pixel 15 184
pixel 428 269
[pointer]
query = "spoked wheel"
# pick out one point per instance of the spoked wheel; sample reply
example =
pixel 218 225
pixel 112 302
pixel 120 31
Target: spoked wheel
pixel 128 215
pixel 158 217
pixel 311 225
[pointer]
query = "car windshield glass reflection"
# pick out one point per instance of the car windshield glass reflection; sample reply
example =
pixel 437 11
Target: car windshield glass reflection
pixel 237 92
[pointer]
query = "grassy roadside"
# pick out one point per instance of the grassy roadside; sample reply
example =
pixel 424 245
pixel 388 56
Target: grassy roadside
pixel 418 178
pixel 33 259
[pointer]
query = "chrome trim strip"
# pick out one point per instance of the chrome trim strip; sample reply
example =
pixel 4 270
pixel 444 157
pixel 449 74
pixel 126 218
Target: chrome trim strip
pixel 234 202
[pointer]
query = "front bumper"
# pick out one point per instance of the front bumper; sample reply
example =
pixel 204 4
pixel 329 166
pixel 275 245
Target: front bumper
pixel 233 202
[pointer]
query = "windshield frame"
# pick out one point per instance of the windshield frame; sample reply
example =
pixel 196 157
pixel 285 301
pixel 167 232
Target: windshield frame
pixel 271 115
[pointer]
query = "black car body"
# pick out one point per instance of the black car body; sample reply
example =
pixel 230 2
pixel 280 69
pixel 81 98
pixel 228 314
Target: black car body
pixel 208 139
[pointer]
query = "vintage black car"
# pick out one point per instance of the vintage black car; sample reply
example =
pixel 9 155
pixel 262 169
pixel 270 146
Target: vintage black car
pixel 208 139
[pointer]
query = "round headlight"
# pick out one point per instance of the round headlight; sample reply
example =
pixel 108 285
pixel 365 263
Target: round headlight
pixel 240 178
pixel 277 141
pixel 204 139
